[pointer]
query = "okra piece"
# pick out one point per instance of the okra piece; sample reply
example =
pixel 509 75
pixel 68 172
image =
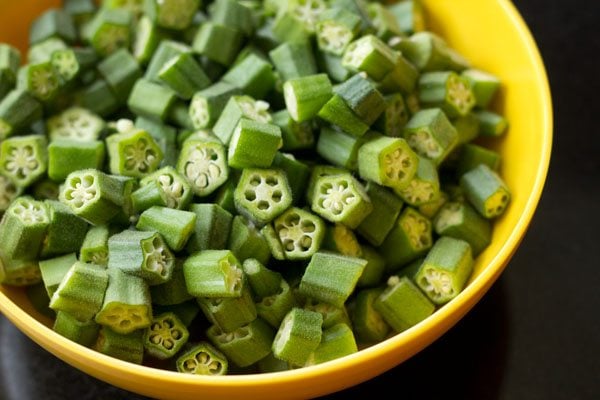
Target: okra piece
pixel 133 153
pixel 41 80
pixel 147 40
pixel 402 78
pixel 273 241
pixel 8 192
pixel 165 336
pixel 23 229
pixel 99 98
pixel 66 65
pixel 332 65
pixel 471 155
pixel 208 104
pixel 300 233
pixel 212 227
pixel 229 314
pixel 384 21
pixel 54 270
pixel 84 333
pixel 81 292
pixel 184 75
pixel 340 239
pixel 336 28
pixel 218 43
pixel 486 191
pixel 203 163
pixel 262 194
pixel 387 161
pixel 54 23
pixel 224 197
pixel 341 198
pixel 402 304
pixel 165 137
pixel 294 60
pixel 172 292
pixel 371 56
pixel 386 209
pixel 176 190
pixel 358 7
pixel 254 76
pixel 10 61
pixel 151 100
pixel 213 274
pixel 431 209
pixel 120 70
pixel 203 359
pixel 171 14
pixel 305 96
pixel 394 117
pixel 317 172
pixel 94 248
pixel 374 270
pixel 69 155
pixel 295 135
pixel 109 30
pixel 431 135
pixel 42 52
pixel 336 342
pixel 337 112
pixel 245 241
pixel 186 311
pixel 167 49
pixel 297 174
pixel 253 144
pixel 24 159
pixel 448 91
pixel 369 326
pixel 19 273
pixel 286 27
pixel 431 53
pixel 272 364
pixel 424 187
pixel 409 15
pixel 233 14
pixel 80 10
pixel 362 98
pixel 483 84
pixel 246 345
pixel 332 315
pixel 461 221
pixel 128 347
pixel 18 109
pixel 409 239
pixel 298 336
pixel 126 307
pixel 467 128
pixel 239 107
pixel 66 231
pixel 134 6
pixel 275 307
pixel 263 281
pixel 175 226
pixel 491 124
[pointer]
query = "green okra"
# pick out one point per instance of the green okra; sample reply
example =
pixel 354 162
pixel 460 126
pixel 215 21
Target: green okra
pixel 66 231
pixel 370 55
pixel 362 98
pixel 203 163
pixel 273 241
pixel 409 15
pixel 229 313
pixel 305 96
pixel 431 209
pixel 298 336
pixel 147 40
pixel 10 61
pixel 245 241
pixel 286 27
pixel 402 78
pixel 172 14
pixel 142 254
pixel 18 109
pixel 336 342
pixel 19 273
pixel 202 359
pixel 186 311
pixel 23 228
pixel 317 172
pixel 41 80
pixel 184 75
pixel 8 192
pixel 332 65
pixel 70 155
pixel 471 155
pixel 174 187
pixel 358 7
pixel 336 28
pixel 179 115
pixel 384 21
pixel 165 336
pixel 340 239
pixel 99 98
pixel 166 50
pixel 81 292
pixel 338 113
pixel 300 233
pixel 484 86
pixel 67 66
pixel 94 248
pixel 332 315
pixel 126 307
pixel 431 134
pixel 75 123
pixel 208 104
pixel 239 107
pixel 297 174
pixel 254 76
pixel 151 100
pixel 42 52
pixel 253 144
pixel 175 226
pixel 233 14
pixel 213 274
pixel 431 53
pixel 369 326
pixel 461 221
pixel 133 153
pixel 54 270
pixel 386 209
pixel 109 30
pixel 246 345
pixel 486 191
pixel 448 91
pixel 295 135
pixel 467 128
pixel 120 70
pixel 218 43
pixel 272 364
pixel 172 292
pixel 374 270
pixel 84 333
pixel 24 159
pixel 164 135
pixel 128 347
pixel 275 307
pixel 491 124
pixel 212 227
pixel 80 10
pixel 54 23
pixel 294 60
pixel 394 117
pixel 424 187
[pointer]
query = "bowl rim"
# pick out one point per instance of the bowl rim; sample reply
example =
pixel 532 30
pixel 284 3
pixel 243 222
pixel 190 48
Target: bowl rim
pixel 443 316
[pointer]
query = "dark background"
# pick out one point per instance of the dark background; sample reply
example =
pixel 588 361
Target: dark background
pixel 536 334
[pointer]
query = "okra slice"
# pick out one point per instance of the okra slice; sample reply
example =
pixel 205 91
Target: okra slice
pixel 431 53
pixel 370 55
pixel 239 107
pixel 66 231
pixel 8 192
pixel 19 273
pixel 461 221
pixel 467 128
pixel 491 124
pixel 424 187
pixel 263 281
pixel 142 254
pixel 212 227
pixel 151 100
pixel 384 21
pixel 253 75
pixel 287 28
pixel 84 333
pixel 42 52
pixel 409 15
pixel 54 23
pixel 24 159
pixel 18 109
pixel 471 155
pixel 66 65
pixel 175 188
pixel 94 248
pixel 172 14
pixel 332 65
pixel 262 194
pixel 175 226
pixel 147 40
pixel 126 307
pixel 234 14
pixel 121 71
pixel 300 233
pixel 394 117
pixel 336 28
pixel 218 43
pixel 67 155
pixel 229 314
pixel 109 30
pixel 165 336
pixel 298 336
pixel 99 98
pixel 186 311
pixel 483 84
pixel 167 49
pixel 341 198
pixel 203 164
pixel 253 144
pixel 305 96
pixel 386 209
pixel 133 153
pixel 307 12
pixel 336 342
pixel 246 241
pixel 403 77
pixel 128 347
pixel 295 135
pixel 297 174
pixel 23 228
pixel 448 91
pixel 409 239
pixel 208 104
pixel 362 98
pixel 340 239
pixel 273 241
pixel 331 277
pixel 275 307
pixel 338 113
pixel 294 60
pixel 41 80
pixel 174 291
pixel 213 274
pixel 332 315
pixel 184 75
pixel 369 326
pixel 203 359
pixel 431 134
pixel 431 209
pixel 486 191
pixel 374 270
pixel 81 292
pixel 246 345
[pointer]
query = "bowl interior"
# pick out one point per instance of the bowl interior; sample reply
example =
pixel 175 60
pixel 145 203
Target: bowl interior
pixel 492 35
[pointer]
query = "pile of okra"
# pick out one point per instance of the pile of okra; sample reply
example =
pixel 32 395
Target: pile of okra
pixel 242 186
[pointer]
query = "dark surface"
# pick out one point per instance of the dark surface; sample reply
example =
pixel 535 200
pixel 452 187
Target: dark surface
pixel 536 334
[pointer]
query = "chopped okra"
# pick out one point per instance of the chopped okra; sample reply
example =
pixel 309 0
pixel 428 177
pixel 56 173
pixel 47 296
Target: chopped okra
pixel 267 166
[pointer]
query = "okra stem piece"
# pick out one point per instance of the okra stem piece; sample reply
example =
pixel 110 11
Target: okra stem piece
pixel 54 270
pixel 254 144
pixel 202 359
pixel 486 191
pixel 218 43
pixel 67 155
pixel 300 233
pixel 172 14
pixel 165 336
pixel 336 28
pixel 184 75
pixel 491 124
pixel 370 55
pixel 305 96
pixel 484 85
pixel 369 326
pixel 84 333
pixel 386 209
pixel 229 314
pixel 54 23
pixel 24 159
pixel 133 153
pixel 18 109
pixel 246 345
pixel 337 112
pixel 431 135
pixel 124 347
pixel 461 221
pixel 424 187
pixel 121 71
pixel 253 76
pixel 239 107
pixel 213 274
pixel 298 336
pixel 211 231
pixel 95 246
pixel 151 100
pixel 23 228
pixel 245 241
pixel 294 60
pixel 109 30
pixel 448 91
pixel 203 163
pixel 175 226
pixel 336 342
pixel 66 231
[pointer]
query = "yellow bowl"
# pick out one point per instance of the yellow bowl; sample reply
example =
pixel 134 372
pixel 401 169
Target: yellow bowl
pixel 494 37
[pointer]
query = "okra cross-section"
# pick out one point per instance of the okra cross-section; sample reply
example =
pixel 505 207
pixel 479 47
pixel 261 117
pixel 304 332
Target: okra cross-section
pixel 41 80
pixel 370 55
pixel 300 233
pixel 424 187
pixel 133 153
pixel 461 221
pixel 239 107
pixel 431 134
pixel 175 226
pixel 341 198
pixel 336 29
pixel 486 191
pixel 202 359
pixel 175 188
pixel 447 90
pixel 23 228
pixel 8 192
pixel 143 254
pixel 298 336
pixel 165 336
pixel 262 194
pixel 204 165
pixel 24 159
pixel 109 30
pixel 75 123
pixel 213 273
pixel 229 313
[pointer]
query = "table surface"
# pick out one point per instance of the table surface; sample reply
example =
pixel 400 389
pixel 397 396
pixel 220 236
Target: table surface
pixel 536 334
